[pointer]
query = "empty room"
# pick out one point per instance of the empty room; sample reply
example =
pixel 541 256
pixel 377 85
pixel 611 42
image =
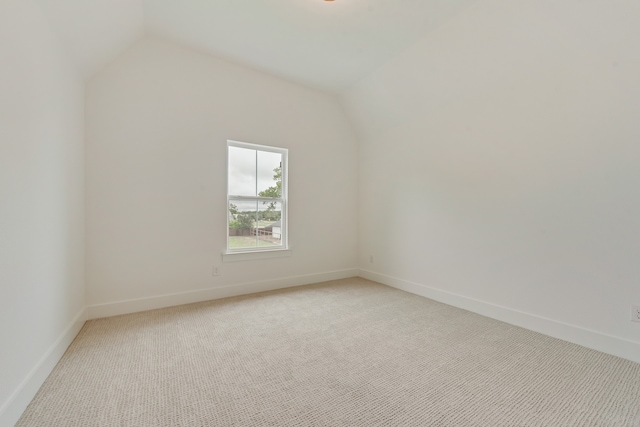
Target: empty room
pixel 319 213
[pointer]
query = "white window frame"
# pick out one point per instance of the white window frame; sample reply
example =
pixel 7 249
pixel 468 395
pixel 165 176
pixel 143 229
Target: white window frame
pixel 270 251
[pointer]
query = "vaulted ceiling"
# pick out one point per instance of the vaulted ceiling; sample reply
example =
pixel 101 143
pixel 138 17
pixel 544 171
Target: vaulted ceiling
pixel 328 45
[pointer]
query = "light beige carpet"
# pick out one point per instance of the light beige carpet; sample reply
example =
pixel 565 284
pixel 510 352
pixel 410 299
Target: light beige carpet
pixel 344 353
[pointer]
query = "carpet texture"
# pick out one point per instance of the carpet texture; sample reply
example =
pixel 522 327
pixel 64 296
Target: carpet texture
pixel 343 353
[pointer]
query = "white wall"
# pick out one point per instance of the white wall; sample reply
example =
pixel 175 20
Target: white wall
pixel 41 204
pixel 157 124
pixel 500 167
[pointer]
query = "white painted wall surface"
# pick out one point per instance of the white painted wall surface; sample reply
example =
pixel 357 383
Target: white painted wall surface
pixel 41 202
pixel 500 162
pixel 158 120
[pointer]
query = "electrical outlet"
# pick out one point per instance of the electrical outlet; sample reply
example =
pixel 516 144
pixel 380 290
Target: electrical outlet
pixel 370 259
pixel 216 271
pixel 635 312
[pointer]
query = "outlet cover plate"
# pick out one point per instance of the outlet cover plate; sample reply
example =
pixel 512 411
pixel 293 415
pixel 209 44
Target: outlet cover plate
pixel 635 313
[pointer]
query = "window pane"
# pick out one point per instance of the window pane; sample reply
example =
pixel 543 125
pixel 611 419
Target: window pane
pixel 254 172
pixel 242 224
pixel 269 228
pixel 269 174
pixel 242 172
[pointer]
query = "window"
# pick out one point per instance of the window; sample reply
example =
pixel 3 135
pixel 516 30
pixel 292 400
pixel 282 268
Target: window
pixel 256 198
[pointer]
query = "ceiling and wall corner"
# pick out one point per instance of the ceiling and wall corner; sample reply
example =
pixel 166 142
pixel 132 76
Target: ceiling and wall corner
pixel 324 45
pixel 327 46
pixel 94 32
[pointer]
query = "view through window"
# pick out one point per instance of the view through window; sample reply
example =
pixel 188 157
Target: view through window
pixel 256 197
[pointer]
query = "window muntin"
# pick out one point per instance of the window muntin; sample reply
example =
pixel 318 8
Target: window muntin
pixel 256 197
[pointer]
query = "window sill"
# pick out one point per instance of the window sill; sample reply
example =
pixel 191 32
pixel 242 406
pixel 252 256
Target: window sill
pixel 255 255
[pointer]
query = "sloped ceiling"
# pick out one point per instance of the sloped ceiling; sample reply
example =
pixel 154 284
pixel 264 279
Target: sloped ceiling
pixel 94 32
pixel 328 45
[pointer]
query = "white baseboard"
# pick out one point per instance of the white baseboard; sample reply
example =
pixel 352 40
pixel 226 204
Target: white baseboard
pixel 605 343
pixel 13 408
pixel 162 301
